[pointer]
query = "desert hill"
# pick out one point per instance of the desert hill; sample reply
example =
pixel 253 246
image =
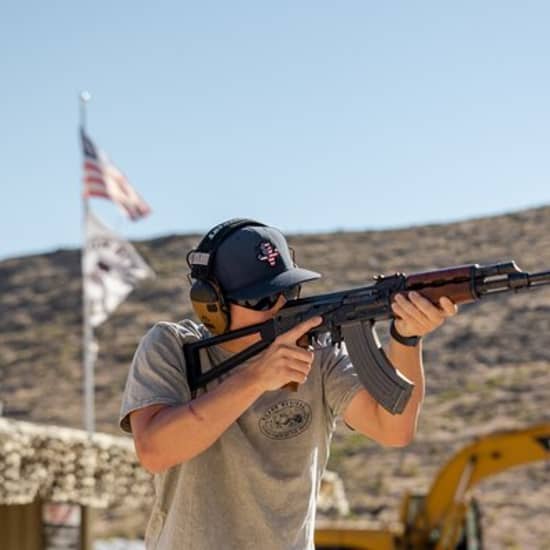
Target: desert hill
pixel 488 368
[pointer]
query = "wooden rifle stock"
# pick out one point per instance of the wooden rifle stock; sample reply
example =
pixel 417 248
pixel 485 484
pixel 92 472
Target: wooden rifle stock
pixel 457 284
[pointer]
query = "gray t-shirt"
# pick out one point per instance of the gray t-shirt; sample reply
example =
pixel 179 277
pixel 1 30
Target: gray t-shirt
pixel 256 486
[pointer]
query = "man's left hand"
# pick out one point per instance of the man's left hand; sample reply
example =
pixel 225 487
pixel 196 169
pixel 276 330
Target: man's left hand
pixel 417 316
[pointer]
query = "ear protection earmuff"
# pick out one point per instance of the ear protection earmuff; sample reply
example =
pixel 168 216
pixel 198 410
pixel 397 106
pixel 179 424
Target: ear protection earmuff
pixel 206 294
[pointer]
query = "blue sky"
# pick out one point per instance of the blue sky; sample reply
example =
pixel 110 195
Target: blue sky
pixel 306 115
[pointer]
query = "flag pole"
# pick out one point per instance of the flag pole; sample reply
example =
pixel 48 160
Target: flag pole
pixel 88 344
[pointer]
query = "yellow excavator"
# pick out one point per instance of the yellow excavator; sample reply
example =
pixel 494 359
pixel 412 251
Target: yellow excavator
pixel 447 517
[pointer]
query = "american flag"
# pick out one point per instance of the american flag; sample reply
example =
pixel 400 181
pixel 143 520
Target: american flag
pixel 103 179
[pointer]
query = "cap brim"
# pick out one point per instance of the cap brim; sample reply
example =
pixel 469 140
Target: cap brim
pixel 279 283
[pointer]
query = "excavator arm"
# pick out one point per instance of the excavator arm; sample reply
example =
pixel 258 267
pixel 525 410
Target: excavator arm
pixel 442 513
pixel 438 520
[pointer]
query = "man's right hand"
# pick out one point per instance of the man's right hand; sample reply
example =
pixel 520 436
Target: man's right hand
pixel 283 361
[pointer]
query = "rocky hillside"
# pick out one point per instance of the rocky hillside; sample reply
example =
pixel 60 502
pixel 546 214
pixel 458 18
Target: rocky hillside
pixel 488 368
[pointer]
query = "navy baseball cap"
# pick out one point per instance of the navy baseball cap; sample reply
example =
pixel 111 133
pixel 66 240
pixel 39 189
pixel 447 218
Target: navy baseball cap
pixel 254 262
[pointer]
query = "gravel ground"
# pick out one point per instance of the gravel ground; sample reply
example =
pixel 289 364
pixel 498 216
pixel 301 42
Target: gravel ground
pixel 119 544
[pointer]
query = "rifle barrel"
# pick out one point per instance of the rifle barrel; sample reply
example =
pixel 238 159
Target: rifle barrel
pixel 538 279
pixel 515 281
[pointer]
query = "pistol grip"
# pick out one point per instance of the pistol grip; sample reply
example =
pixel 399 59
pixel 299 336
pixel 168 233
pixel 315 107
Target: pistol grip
pixel 303 342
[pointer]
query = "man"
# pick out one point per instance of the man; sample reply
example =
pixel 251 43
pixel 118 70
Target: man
pixel 239 465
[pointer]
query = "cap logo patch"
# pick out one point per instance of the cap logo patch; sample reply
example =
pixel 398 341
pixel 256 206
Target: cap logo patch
pixel 268 253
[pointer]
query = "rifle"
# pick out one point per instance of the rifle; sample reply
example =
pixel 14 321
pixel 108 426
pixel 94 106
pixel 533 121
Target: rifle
pixel 349 316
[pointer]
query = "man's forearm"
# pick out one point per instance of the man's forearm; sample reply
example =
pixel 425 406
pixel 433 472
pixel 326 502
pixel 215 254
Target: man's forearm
pixel 408 360
pixel 177 434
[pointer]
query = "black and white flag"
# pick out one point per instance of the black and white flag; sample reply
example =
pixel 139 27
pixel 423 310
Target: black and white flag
pixel 111 269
